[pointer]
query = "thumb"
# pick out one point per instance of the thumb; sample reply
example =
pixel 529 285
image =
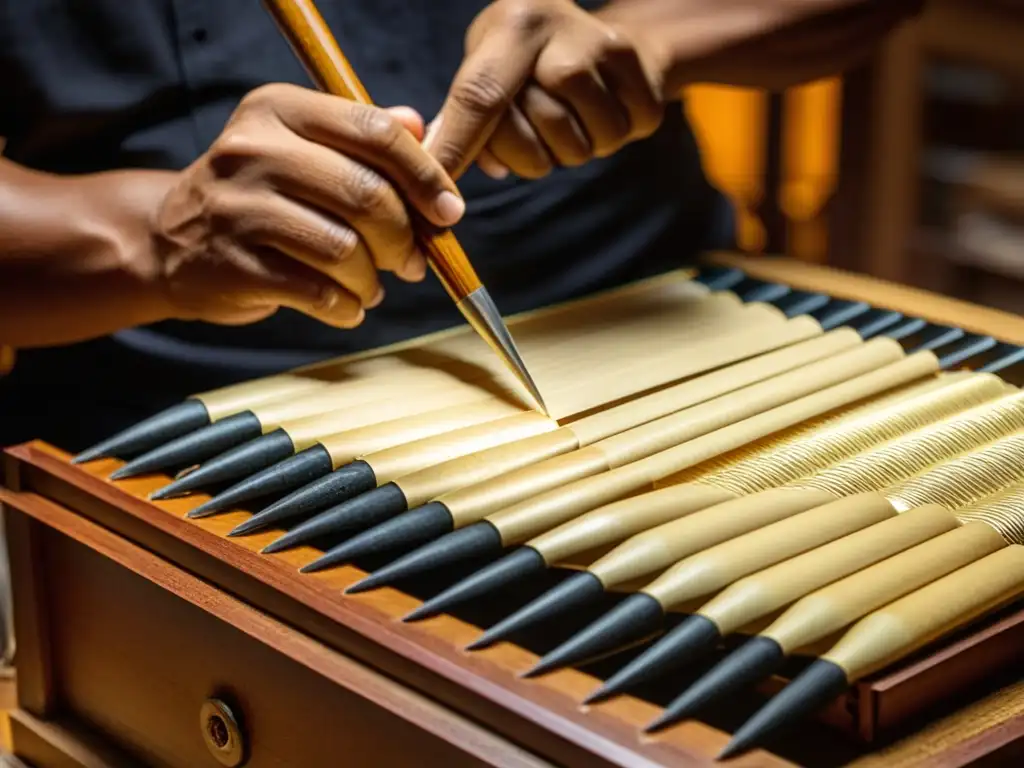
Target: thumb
pixel 409 118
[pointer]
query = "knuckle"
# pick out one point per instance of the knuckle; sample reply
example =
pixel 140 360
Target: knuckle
pixel 263 98
pixel 613 44
pixel 369 191
pixel 340 242
pixel 378 128
pixel 527 17
pixel 565 75
pixel 482 92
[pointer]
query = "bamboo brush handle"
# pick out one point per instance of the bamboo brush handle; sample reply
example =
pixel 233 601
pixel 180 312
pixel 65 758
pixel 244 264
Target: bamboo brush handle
pixel 619 520
pixel 393 463
pixel 759 594
pixel 328 407
pixel 715 568
pixel 384 405
pixel 669 431
pixel 514 503
pixel 473 485
pixel 532 517
pixel 772 463
pixel 658 548
pixel 820 443
pixel 915 620
pixel 346 445
pixel 689 393
pixel 829 609
pixel 312 41
pixel 243 397
pixel 952 483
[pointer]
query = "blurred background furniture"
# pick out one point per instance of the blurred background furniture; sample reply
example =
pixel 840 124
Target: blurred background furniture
pixel 909 168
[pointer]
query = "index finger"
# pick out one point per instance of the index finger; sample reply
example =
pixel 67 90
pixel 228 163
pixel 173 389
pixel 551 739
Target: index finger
pixel 482 91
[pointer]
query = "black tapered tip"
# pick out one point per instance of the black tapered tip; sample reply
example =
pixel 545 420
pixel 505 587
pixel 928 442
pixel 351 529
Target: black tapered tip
pixel 194 447
pixel 244 459
pixel 399 533
pixel 170 423
pixel 516 565
pixel 692 638
pixel 355 514
pixel 633 619
pixel 815 687
pixel 477 540
pixel 579 590
pixel 340 485
pixel 753 661
pixel 294 471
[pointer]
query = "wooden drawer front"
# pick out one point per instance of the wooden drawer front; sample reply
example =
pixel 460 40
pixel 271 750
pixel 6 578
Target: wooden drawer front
pixel 138 662
pixel 129 647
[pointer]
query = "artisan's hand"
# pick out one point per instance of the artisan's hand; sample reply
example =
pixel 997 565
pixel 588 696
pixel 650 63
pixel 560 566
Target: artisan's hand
pixel 544 84
pixel 298 204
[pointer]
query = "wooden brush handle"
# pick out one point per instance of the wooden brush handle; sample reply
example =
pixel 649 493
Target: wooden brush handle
pixel 305 29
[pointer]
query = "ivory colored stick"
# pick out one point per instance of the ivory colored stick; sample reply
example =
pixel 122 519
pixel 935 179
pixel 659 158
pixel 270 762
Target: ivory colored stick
pixel 401 460
pixel 328 429
pixel 764 592
pixel 744 520
pixel 496 462
pixel 386 434
pixel 954 483
pixel 521 522
pixel 769 463
pixel 986 526
pixel 222 403
pixel 379 399
pixel 913 621
pixel 473 503
pixel 371 404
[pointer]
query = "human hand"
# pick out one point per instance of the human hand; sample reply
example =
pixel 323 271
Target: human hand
pixel 299 203
pixel 544 84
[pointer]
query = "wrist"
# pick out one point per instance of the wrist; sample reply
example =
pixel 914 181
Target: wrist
pixel 119 230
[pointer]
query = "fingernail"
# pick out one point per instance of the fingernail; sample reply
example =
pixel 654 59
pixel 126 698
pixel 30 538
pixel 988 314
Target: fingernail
pixel 377 299
pixel 492 168
pixel 449 208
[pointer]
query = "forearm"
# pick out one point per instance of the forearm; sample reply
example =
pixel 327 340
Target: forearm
pixel 764 43
pixel 76 258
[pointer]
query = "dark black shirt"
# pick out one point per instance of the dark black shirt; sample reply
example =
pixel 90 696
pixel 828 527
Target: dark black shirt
pixel 90 85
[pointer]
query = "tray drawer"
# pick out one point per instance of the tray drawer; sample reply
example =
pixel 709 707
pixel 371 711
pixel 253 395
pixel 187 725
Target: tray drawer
pixel 137 647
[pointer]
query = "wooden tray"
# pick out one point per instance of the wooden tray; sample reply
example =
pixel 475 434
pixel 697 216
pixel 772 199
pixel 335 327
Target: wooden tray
pixel 129 617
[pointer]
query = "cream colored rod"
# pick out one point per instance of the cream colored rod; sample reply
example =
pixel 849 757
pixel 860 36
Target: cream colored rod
pixel 542 512
pixel 473 503
pixel 953 483
pixel 649 552
pixel 796 453
pixel 977 531
pixel 435 477
pixel 890 634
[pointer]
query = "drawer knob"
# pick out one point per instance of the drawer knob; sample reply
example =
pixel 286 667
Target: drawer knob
pixel 221 733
